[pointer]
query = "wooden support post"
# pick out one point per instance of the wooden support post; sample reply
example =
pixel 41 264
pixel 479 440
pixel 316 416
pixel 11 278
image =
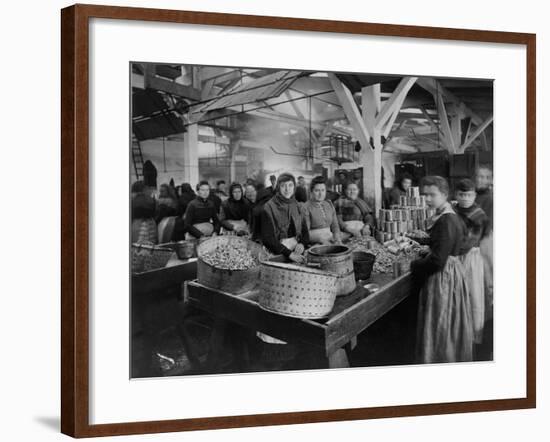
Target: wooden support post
pixel 444 123
pixel 370 106
pixel 370 158
pixel 456 127
pixel 191 154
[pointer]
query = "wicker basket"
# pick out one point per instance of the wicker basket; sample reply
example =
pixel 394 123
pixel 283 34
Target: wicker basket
pixel 232 281
pixel 147 257
pixel 297 291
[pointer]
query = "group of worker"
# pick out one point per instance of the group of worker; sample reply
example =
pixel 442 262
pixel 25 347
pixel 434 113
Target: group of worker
pixel 454 276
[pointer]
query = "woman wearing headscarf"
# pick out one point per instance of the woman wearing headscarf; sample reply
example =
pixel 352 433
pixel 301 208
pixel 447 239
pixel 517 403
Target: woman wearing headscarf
pixel 477 227
pixel 235 211
pixel 321 219
pixel 445 331
pixel 283 226
pixel 354 214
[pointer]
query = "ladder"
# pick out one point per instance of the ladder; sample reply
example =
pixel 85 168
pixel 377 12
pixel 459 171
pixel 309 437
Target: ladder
pixel 137 158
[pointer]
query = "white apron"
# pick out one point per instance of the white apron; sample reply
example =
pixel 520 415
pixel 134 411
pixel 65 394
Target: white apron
pixel 239 224
pixel 473 267
pixel 207 229
pixel 445 331
pixel 320 236
pixel 486 248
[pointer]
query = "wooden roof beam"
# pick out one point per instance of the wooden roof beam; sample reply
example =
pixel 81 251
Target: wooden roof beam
pixel 434 87
pixel 479 130
pixel 395 102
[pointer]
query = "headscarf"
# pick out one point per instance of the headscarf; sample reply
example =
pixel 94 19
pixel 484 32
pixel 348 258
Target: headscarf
pixel 236 209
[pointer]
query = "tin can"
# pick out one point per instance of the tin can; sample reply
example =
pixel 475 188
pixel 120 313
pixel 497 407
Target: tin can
pixel 389 215
pixel 402 200
pixel 371 244
pixel 396 267
pixel 423 200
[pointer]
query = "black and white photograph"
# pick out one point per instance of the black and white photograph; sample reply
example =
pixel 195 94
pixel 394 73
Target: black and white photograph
pixel 302 220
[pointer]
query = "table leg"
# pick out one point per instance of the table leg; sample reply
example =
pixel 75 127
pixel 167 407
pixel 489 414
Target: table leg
pixel 338 359
pixel 217 339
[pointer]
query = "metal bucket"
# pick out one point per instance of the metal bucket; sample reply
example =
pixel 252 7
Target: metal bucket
pixel 335 259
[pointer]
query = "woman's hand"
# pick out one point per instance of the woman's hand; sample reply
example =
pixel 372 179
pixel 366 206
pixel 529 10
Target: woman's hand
pixel 356 233
pixel 295 257
pixel 299 249
pixel 366 230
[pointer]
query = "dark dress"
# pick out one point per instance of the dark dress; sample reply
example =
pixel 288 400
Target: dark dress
pixel 282 218
pixel 200 211
pixel 235 210
pixel 256 214
pixel 445 331
pixel 484 200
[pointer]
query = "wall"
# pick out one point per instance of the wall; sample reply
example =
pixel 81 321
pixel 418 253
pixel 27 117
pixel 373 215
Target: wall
pixel 29 378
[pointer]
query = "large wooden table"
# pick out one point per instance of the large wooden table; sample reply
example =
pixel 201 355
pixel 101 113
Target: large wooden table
pixel 332 338
pixel 156 305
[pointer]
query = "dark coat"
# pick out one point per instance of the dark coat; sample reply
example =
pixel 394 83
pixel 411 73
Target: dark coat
pixel 446 239
pixel 281 219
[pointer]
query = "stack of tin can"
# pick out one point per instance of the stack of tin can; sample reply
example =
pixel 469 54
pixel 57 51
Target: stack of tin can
pixel 411 214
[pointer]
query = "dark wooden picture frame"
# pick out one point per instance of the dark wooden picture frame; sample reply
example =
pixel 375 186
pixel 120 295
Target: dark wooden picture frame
pixel 75 219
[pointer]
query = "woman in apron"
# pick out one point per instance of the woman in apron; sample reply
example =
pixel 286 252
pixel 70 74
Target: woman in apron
pixel 320 215
pixel 354 214
pixel 235 212
pixel 477 225
pixel 201 217
pixel 283 232
pixel 445 330
pixel 283 226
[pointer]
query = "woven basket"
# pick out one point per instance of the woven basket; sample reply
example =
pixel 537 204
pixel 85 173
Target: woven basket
pixel 232 281
pixel 147 257
pixel 296 291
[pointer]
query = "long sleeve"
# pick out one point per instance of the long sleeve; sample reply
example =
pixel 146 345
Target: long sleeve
pixel 368 217
pixel 269 237
pixel 339 215
pixel 188 221
pixel 334 223
pixel 224 220
pixel 307 216
pixel 216 222
pixel 304 234
pixel 442 242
